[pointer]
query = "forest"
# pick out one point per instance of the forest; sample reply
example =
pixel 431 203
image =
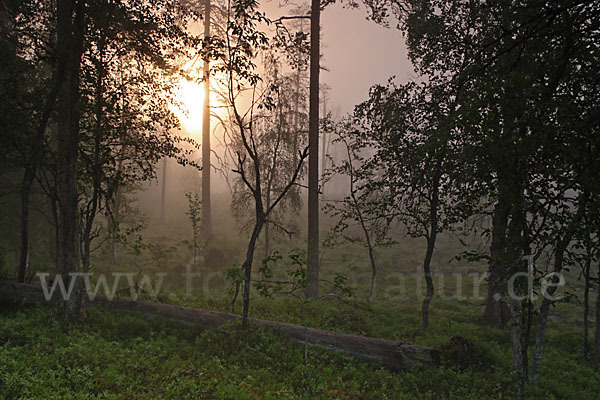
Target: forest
pixel 201 199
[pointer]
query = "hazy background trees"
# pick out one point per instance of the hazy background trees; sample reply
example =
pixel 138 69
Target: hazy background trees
pixel 495 137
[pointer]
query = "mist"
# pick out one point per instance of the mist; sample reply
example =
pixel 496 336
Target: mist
pixel 255 200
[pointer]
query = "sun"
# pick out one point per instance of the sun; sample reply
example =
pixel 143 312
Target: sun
pixel 190 97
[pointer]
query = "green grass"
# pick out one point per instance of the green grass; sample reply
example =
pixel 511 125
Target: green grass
pixel 110 356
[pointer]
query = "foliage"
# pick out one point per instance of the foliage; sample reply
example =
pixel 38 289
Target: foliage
pixel 194 213
pixel 120 356
pixel 279 134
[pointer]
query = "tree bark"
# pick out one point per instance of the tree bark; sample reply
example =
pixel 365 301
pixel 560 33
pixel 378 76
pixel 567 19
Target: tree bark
pixel 312 268
pixel 431 239
pixel 115 224
pixel 324 143
pixel 561 246
pixel 516 334
pixel 163 192
pixel 206 205
pixel 27 183
pixel 597 340
pixel 247 267
pixel 586 301
pixel 373 272
pixel 92 206
pixel 496 311
pixel 428 279
pixel 392 354
pixel 69 44
pixel 298 77
pixel 31 169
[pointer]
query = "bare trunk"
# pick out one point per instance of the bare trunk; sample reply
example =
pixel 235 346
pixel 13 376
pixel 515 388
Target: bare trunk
pixel 540 339
pixel 27 182
pixel 267 228
pixel 92 206
pixel 31 169
pixel 597 341
pixel 297 105
pixel 373 273
pixel 163 193
pixel 428 279
pixel 516 334
pixel 206 206
pixel 296 118
pixel 586 304
pixel 115 226
pixel 324 145
pixel 69 49
pixel 431 239
pixel 561 247
pixel 312 268
pixel 496 311
pixel 247 269
pixel 267 241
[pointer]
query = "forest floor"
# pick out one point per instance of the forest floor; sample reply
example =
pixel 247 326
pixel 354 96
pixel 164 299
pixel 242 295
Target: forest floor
pixel 110 356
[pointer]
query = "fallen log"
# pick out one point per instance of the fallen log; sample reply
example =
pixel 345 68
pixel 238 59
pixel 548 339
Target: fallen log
pixel 392 354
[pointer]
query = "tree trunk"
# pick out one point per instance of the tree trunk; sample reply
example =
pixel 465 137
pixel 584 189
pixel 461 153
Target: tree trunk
pixel 267 241
pixel 586 303
pixel 206 206
pixel 516 334
pixel 324 145
pixel 31 169
pixel 163 192
pixel 431 239
pixel 247 268
pixel 296 147
pixel 597 341
pixel 69 46
pixel 115 225
pixel 92 205
pixel 540 338
pixel 312 268
pixel 373 273
pixel 428 279
pixel 496 311
pixel 561 247
pixel 26 185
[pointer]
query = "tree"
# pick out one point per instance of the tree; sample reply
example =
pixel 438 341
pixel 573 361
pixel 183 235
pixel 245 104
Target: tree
pixel 360 205
pixel 89 134
pixel 30 85
pixel 412 169
pixel 194 215
pixel 514 127
pixel 277 144
pixel 312 269
pixel 234 60
pixel 126 122
pixel 70 28
pixel 597 339
pixel 206 166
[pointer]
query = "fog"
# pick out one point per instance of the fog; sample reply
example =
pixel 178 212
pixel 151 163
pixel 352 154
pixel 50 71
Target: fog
pixel 236 199
pixel 356 54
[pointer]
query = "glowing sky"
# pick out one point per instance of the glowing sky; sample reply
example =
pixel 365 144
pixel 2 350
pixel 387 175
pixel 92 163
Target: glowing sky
pixel 359 54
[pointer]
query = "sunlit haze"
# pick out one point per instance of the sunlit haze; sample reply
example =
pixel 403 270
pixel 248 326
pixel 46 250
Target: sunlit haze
pixel 190 97
pixel 411 184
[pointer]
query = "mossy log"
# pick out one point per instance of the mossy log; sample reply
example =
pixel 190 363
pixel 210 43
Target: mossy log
pixel 392 354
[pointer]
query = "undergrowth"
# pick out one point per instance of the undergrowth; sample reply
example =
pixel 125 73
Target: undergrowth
pixel 113 356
